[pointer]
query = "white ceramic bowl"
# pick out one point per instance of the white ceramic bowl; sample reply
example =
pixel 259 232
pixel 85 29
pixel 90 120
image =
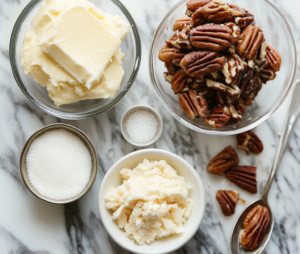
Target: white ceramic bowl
pixel 159 127
pixel 113 179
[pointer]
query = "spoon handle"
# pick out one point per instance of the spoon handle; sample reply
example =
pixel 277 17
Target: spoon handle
pixel 287 129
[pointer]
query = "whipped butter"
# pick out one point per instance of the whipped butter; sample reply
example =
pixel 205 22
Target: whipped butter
pixel 151 203
pixel 73 49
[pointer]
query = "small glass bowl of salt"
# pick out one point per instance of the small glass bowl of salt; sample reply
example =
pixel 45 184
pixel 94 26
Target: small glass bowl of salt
pixel 141 125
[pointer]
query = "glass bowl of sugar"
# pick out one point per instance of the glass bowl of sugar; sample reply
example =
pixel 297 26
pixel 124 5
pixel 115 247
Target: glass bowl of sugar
pixel 141 125
pixel 59 164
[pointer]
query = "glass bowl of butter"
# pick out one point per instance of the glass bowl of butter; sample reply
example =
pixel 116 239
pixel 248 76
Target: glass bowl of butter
pixel 75 59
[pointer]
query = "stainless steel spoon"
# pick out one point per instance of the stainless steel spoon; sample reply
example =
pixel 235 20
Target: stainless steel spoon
pixel 293 114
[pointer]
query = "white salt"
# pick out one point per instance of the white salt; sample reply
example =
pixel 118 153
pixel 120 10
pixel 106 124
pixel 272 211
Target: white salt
pixel 58 164
pixel 141 126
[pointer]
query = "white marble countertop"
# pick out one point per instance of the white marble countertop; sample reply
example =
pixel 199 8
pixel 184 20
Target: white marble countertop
pixel 30 226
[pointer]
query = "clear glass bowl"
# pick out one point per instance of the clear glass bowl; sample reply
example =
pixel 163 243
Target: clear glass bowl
pixel 38 95
pixel 277 32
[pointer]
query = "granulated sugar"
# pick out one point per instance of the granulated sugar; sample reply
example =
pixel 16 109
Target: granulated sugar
pixel 58 164
pixel 141 126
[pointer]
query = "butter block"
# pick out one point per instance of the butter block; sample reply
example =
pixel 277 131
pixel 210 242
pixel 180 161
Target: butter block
pixel 64 93
pixel 81 46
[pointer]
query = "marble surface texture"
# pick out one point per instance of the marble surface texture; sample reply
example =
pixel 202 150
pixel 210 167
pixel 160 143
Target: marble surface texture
pixel 30 226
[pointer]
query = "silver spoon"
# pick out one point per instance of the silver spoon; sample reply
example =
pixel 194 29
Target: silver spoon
pixel 293 114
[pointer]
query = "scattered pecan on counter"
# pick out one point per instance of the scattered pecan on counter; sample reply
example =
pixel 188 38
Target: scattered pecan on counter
pixel 256 226
pixel 222 51
pixel 225 160
pixel 250 142
pixel 227 201
pixel 244 177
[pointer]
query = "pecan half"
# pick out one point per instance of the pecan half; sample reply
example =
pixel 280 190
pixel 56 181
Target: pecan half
pixel 194 5
pixel 199 86
pixel 235 116
pixel 240 16
pixel 267 74
pixel 181 23
pixel 233 69
pixel 227 201
pixel 250 40
pixel 250 142
pixel 179 81
pixel 180 39
pixel 273 58
pixel 236 32
pixel 231 90
pixel 240 106
pixel 224 160
pixel 256 226
pixel 250 86
pixel 261 59
pixel 234 113
pixel 213 12
pixel 200 63
pixel 211 37
pixel 256 88
pixel 199 102
pixel 168 77
pixel 171 56
pixel 172 68
pixel 170 52
pixel 218 117
pixel 193 104
pixel 244 177
pixel 187 106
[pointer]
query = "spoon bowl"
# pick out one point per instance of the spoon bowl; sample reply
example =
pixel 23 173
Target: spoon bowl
pixel 236 246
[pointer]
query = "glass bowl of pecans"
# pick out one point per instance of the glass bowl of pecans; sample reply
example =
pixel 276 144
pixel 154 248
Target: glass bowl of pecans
pixel 222 68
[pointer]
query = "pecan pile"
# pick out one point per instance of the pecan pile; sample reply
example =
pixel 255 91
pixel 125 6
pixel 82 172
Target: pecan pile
pixel 217 61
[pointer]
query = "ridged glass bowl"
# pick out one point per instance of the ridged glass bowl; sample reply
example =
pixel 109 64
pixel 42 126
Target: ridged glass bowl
pixel 277 32
pixel 38 95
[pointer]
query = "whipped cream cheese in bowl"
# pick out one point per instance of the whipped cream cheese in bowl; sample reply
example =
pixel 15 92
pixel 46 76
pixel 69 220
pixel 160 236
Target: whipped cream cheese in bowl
pixel 75 58
pixel 151 201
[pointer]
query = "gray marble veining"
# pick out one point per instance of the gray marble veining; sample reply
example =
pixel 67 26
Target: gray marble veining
pixel 30 226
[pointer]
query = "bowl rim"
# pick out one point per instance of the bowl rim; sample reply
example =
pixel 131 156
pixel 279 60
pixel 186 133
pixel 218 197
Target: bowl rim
pixel 216 131
pixel 93 152
pixel 190 168
pixel 160 122
pixel 64 115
